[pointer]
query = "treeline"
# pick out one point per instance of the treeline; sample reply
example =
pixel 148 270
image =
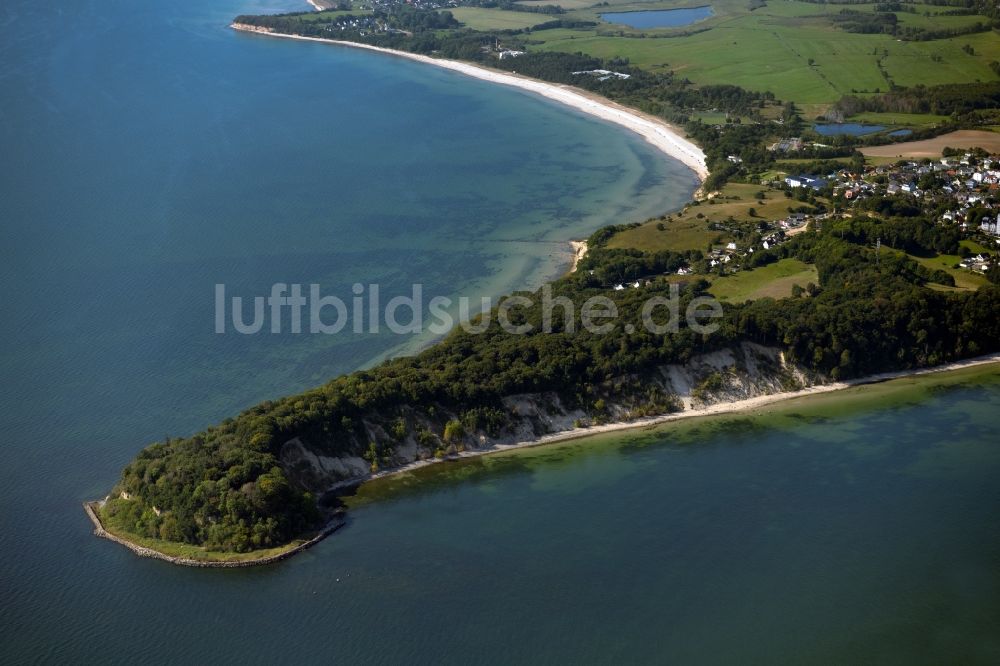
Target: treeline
pixel 895 7
pixel 914 34
pixel 914 235
pixel 948 99
pixel 883 21
pixel 404 17
pixel 602 267
pixel 865 22
pixel 512 5
pixel 567 24
pixel 743 141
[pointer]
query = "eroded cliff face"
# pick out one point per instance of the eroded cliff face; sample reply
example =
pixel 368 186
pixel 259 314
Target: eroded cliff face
pixel 743 372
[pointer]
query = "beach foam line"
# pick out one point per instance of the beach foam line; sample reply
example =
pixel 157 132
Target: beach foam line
pixel 664 137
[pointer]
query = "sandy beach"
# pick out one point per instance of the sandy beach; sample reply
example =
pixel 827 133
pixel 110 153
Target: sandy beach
pixel 664 137
pixel 747 405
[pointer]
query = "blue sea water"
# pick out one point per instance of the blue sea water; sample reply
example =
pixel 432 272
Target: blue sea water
pixel 149 153
pixel 660 18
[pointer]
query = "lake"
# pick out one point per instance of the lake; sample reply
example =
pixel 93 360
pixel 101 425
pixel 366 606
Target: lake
pixel 660 18
pixel 853 129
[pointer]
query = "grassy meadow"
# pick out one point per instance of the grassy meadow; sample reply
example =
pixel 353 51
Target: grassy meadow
pixel 772 281
pixel 964 280
pixel 478 18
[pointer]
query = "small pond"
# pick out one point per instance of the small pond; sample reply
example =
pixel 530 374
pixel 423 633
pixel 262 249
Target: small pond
pixel 854 129
pixel 660 18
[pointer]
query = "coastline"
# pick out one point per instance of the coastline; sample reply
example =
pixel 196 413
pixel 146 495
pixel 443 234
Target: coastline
pixel 715 409
pixel 664 137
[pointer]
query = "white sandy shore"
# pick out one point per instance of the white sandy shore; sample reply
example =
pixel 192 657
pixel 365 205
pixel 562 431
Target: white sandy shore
pixel 747 405
pixel 662 136
pixel 318 7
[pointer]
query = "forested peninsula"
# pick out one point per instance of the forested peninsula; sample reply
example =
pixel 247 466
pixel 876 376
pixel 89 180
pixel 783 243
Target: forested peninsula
pixel 255 481
pixel 229 488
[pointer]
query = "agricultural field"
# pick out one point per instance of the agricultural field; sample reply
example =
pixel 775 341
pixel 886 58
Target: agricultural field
pixel 965 280
pixel 930 148
pixel 790 48
pixel 478 18
pixel 772 281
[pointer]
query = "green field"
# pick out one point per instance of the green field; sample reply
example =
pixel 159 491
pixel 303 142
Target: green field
pixel 790 48
pixel 497 19
pixel 975 247
pixel 772 281
pixel 964 279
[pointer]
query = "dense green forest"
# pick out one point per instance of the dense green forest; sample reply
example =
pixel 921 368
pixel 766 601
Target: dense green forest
pixel 945 100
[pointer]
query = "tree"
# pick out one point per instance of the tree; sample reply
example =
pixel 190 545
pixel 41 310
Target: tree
pixel 454 431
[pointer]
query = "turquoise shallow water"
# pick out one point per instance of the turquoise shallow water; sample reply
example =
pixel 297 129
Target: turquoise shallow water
pixel 149 153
